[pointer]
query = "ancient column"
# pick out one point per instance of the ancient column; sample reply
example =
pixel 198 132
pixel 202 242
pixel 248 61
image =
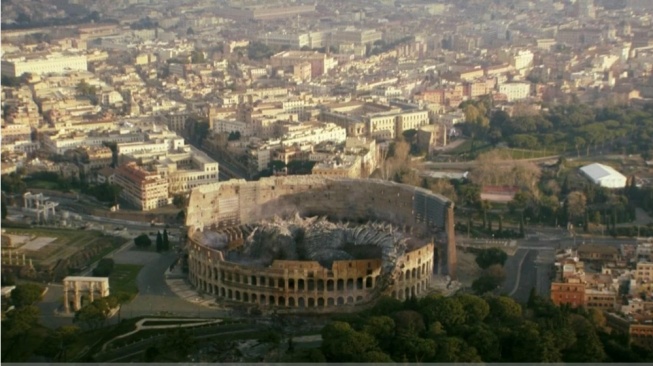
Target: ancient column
pixel 66 303
pixel 91 289
pixel 103 288
pixel 78 299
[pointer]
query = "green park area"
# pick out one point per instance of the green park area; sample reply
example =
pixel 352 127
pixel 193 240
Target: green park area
pixel 122 280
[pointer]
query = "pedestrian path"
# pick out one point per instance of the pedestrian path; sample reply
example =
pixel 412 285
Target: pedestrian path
pixel 174 323
pixel 178 283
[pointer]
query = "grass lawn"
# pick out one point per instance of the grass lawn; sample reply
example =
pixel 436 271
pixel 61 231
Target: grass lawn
pixel 97 257
pixel 123 279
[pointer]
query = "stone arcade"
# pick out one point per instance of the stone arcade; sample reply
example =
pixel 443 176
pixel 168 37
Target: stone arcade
pixel 235 209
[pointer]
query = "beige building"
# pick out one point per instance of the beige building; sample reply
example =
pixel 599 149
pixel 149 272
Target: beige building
pixel 143 189
pixel 320 62
pixel 187 170
pixel 644 272
pixel 391 126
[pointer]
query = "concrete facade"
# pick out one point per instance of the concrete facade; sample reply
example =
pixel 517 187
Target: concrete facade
pixel 307 285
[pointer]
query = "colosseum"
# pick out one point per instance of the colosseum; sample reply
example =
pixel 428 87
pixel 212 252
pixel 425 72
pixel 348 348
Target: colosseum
pixel 317 244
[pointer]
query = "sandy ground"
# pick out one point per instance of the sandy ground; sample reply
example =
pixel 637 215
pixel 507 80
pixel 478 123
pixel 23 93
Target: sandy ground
pixel 38 243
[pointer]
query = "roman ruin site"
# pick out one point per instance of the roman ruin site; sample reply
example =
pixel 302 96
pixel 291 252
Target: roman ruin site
pixel 306 243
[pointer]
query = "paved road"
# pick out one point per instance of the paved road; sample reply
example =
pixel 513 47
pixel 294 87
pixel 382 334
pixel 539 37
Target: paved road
pixel 156 297
pixel 521 275
pixel 52 302
pixel 532 264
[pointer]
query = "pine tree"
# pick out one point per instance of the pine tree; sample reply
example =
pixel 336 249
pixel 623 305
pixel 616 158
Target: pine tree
pixel 166 241
pixel 522 232
pixel 159 242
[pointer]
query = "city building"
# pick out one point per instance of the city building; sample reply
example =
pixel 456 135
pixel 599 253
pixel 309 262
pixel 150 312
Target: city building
pixel 320 63
pixel 38 64
pixel 140 188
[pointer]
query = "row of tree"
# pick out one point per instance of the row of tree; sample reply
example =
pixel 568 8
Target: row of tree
pixel 468 328
pixel 162 241
pixel 572 127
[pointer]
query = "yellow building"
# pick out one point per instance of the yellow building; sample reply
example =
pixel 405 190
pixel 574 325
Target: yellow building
pixel 644 271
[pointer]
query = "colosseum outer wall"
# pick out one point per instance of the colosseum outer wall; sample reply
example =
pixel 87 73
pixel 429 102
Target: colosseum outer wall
pixel 305 283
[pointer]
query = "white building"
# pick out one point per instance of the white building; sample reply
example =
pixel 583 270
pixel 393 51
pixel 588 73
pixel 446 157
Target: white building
pixel 231 125
pixel 43 64
pixel 314 134
pixel 515 91
pixel 522 59
pixel 604 176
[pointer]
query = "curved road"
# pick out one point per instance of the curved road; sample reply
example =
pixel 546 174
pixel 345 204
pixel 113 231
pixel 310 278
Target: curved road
pixel 521 274
pixel 156 297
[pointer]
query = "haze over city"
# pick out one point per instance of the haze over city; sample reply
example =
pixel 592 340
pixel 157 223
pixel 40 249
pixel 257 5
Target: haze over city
pixel 414 181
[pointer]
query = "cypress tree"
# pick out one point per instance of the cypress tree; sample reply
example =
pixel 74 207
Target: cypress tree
pixel 166 241
pixel 159 242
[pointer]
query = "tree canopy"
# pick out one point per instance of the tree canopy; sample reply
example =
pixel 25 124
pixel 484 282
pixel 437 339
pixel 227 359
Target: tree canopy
pixel 468 328
pixel 143 241
pixel 487 257
pixel 26 295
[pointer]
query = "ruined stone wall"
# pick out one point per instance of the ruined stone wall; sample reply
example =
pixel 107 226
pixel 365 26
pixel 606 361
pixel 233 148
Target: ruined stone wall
pixel 296 285
pixel 239 202
pixel 306 284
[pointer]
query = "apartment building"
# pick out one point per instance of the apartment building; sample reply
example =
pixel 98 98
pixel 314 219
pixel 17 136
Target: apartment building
pixel 185 171
pixel 571 293
pixel 644 272
pixel 12 133
pixel 411 121
pixel 389 126
pixel 597 252
pixel 231 125
pixel 320 62
pixel 515 91
pixel 356 36
pixel 313 134
pixel 142 189
pixel 575 287
pixel 61 141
